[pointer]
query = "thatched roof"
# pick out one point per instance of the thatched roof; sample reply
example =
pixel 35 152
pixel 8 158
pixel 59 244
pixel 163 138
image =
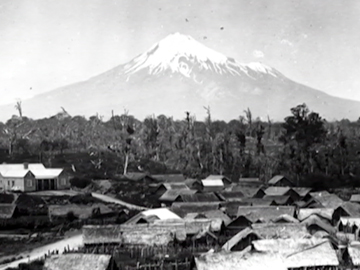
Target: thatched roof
pixel 264 213
pixel 153 214
pixel 212 215
pixel 353 209
pixel 243 260
pixel 77 262
pixel 190 182
pixel 224 178
pixel 281 230
pixel 279 199
pixel 314 220
pixel 7 210
pixel 230 195
pixel 350 221
pixel 301 191
pixel 276 179
pixel 138 176
pixel 355 198
pixel 325 213
pixel 212 183
pixel 258 201
pixel 277 191
pixel 80 211
pixel 174 178
pixel 354 253
pixel 170 186
pixel 326 199
pixel 183 208
pixel 321 254
pixel 231 207
pixel 200 197
pixel 238 237
pixel 285 218
pixel 173 194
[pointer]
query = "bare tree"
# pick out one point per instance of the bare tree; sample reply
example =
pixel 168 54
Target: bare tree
pixel 18 107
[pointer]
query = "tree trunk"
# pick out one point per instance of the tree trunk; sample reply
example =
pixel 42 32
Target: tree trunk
pixel 126 163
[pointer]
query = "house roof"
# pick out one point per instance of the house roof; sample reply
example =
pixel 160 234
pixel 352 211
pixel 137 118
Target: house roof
pixel 277 191
pixel 230 195
pixel 245 259
pixel 325 213
pixel 46 173
pixel 321 254
pixel 200 197
pixel 285 218
pixel 247 191
pixel 7 210
pixel 231 207
pixel 258 201
pixel 80 211
pixel 182 208
pixel 172 194
pixel 354 253
pixel 191 181
pixel 169 178
pixel 153 214
pixel 264 213
pixel 17 167
pixel 16 173
pixel 322 224
pixel 353 209
pixel 212 183
pixel 170 186
pixel 326 199
pixel 350 221
pixel 301 191
pixel 355 198
pixel 276 179
pixel 238 237
pixel 76 261
pixel 281 199
pixel 37 169
pixel 216 177
pixel 212 215
pixel 280 230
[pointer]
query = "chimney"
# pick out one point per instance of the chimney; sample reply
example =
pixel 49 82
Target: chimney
pixel 26 165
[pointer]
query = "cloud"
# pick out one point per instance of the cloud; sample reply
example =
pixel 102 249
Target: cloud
pixel 286 42
pixel 258 54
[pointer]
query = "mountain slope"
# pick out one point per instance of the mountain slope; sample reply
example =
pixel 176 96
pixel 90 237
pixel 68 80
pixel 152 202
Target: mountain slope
pixel 179 74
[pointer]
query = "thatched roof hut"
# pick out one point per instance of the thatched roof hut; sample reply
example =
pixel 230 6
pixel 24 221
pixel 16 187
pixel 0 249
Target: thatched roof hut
pixel 315 223
pixel 325 213
pixel 280 181
pixel 241 240
pixel 150 215
pixel 354 254
pixel 7 211
pixel 230 195
pixel 199 197
pixel 279 200
pixel 326 199
pixel 258 201
pixel 231 207
pixel 243 260
pixel 285 219
pixel 302 191
pixel 282 191
pixel 183 208
pixel 281 230
pixel 78 262
pixel 355 198
pixel 264 214
pixel 213 215
pixel 173 195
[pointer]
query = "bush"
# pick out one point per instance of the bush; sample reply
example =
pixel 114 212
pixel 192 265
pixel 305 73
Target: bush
pixel 80 182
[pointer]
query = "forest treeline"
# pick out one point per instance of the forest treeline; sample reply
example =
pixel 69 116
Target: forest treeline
pixel 304 144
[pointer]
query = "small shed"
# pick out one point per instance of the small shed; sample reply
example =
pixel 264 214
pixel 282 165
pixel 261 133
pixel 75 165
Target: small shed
pixel 199 197
pixel 241 240
pixel 280 181
pixel 78 261
pixel 346 209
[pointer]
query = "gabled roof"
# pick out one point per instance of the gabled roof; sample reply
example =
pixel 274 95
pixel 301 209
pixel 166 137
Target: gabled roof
pixel 301 191
pixel 200 197
pixel 355 198
pixel 76 261
pixel 354 253
pixel 238 237
pixel 137 176
pixel 153 214
pixel 281 230
pixel 214 214
pixel 16 173
pixel 216 177
pixel 278 199
pixel 264 213
pixel 353 209
pixel 212 183
pixel 170 186
pixel 258 201
pixel 182 208
pixel 247 191
pixel 230 195
pixel 277 191
pixel 17 167
pixel 7 210
pixel 325 213
pixel 350 221
pixel 173 194
pixel 327 199
pixel 276 179
pixel 21 170
pixel 46 173
pixel 285 218
pixel 322 224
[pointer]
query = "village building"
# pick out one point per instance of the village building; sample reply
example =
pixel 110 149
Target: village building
pixel 346 209
pixel 237 224
pixel 322 199
pixel 282 191
pixel 349 225
pixel 212 185
pixel 241 240
pixel 162 188
pixel 32 177
pixel 226 180
pixel 281 230
pixel 314 224
pixel 193 183
pixel 353 252
pixel 264 214
pixel 250 182
pixel 355 198
pixel 174 195
pixel 279 200
pixel 324 213
pixel 230 195
pixel 151 215
pixel 78 261
pixel 302 191
pixel 280 181
pixel 183 208
pixel 199 197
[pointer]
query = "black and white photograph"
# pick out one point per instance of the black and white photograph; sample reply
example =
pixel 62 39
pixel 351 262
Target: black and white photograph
pixel 179 135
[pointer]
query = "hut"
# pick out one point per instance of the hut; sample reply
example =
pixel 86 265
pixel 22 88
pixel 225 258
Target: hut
pixel 302 191
pixel 279 200
pixel 314 223
pixel 282 191
pixel 325 199
pixel 280 181
pixel 264 214
pixel 355 198
pixel 230 195
pixel 244 260
pixel 183 208
pixel 211 185
pixel 236 225
pixel 250 182
pixel 241 240
pixel 7 211
pixel 169 178
pixel 354 256
pixel 349 224
pixel 174 195
pixel 149 216
pixel 324 213
pixel 162 188
pixel 199 197
pixel 285 219
pixel 212 215
pixel 231 207
pixel 281 230
pixel 346 209
pixel 226 180
pixel 78 261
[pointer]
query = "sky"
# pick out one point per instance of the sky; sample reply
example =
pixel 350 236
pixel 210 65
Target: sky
pixel 46 44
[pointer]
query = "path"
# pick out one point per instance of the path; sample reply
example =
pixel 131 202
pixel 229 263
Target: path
pixel 109 199
pixel 71 242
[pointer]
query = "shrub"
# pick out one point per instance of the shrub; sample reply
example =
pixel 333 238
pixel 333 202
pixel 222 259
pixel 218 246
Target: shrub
pixel 80 182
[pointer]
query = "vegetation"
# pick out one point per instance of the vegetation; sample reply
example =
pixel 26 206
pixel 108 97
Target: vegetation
pixel 302 147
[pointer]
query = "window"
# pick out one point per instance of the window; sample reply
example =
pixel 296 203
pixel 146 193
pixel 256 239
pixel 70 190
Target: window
pixel 9 183
pixel 63 181
pixel 12 183
pixel 29 183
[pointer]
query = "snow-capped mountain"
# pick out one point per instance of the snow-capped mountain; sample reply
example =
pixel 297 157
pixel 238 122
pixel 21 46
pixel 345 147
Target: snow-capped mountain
pixel 180 74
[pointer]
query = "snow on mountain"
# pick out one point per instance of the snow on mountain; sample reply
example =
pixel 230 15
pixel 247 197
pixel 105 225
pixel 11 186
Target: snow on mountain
pixel 181 53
